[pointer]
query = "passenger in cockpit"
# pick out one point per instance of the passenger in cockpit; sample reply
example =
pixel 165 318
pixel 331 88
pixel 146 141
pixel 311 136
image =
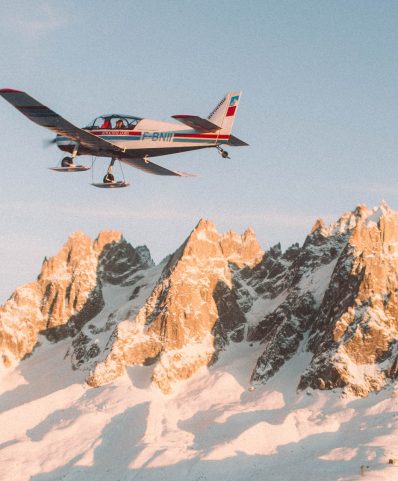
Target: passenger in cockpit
pixel 106 124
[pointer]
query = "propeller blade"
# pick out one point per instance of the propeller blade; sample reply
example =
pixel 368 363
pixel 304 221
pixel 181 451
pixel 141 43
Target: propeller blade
pixel 48 142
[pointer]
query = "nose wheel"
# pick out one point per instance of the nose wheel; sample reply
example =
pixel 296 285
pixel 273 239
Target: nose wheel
pixel 223 153
pixel 109 178
pixel 67 164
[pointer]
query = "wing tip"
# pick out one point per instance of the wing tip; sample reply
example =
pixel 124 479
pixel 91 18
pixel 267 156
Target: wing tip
pixel 185 174
pixel 4 91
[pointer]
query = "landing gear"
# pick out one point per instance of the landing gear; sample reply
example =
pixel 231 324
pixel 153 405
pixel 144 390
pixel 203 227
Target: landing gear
pixel 68 161
pixel 67 164
pixel 108 179
pixel 223 153
pixel 109 182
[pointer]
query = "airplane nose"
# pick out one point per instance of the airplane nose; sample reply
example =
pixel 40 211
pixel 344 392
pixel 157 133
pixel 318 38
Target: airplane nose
pixel 48 142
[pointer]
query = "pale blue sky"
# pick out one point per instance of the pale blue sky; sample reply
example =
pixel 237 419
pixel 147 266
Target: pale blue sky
pixel 319 111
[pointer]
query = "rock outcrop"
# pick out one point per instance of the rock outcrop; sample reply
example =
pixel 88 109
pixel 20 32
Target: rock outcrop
pixel 336 297
pixel 355 335
pixel 192 312
pixel 67 293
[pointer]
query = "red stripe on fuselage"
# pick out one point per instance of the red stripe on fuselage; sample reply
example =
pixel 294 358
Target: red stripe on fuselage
pixel 114 132
pixel 203 136
pixel 134 132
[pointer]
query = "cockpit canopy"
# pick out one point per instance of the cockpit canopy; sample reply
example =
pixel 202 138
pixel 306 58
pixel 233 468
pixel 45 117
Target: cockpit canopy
pixel 113 121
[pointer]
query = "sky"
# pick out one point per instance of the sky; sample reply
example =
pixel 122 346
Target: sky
pixel 319 110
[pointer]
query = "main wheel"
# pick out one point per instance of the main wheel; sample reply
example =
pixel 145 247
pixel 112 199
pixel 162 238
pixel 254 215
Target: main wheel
pixel 108 179
pixel 224 154
pixel 67 162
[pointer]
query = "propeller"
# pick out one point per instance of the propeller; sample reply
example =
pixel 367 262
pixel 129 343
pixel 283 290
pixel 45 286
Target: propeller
pixel 48 142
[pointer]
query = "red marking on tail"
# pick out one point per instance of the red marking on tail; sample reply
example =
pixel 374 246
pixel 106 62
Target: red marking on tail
pixel 231 111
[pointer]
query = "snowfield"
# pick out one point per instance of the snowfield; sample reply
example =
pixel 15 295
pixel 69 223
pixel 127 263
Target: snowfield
pixel 213 426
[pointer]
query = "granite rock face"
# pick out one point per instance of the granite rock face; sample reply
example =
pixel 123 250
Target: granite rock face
pixel 192 312
pixel 67 293
pixel 355 334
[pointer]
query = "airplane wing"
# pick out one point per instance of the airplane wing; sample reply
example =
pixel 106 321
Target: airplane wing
pixel 197 123
pixel 152 168
pixel 42 115
pixel 235 141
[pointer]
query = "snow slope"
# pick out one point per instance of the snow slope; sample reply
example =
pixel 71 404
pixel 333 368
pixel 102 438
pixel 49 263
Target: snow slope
pixel 54 427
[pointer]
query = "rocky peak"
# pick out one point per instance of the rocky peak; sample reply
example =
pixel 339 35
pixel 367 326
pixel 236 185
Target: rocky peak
pixel 204 225
pixel 318 226
pixel 348 221
pixel 202 242
pixel 67 292
pixel 106 237
pixel 145 256
pixel 119 261
pixel 192 311
pixel 205 241
pixel 77 248
pixel 242 250
pixel 340 291
pixel 357 322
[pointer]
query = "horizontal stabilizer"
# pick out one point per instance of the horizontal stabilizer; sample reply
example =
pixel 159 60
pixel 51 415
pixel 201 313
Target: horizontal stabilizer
pixel 236 142
pixel 197 123
pixel 152 168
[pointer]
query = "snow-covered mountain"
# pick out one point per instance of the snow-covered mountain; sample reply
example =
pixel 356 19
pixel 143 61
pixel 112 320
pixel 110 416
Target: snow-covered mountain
pixel 223 360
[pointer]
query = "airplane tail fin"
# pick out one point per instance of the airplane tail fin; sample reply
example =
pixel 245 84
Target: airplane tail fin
pixel 224 113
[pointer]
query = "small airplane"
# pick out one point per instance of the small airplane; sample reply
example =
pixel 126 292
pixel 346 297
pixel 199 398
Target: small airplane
pixel 129 139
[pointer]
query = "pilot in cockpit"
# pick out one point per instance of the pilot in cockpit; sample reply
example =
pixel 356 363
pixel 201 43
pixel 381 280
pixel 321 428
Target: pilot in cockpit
pixel 120 124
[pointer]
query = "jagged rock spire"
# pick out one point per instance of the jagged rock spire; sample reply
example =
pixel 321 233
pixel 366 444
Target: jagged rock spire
pixel 67 293
pixel 191 312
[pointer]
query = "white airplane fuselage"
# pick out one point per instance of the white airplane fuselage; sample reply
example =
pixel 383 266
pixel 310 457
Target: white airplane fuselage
pixel 151 137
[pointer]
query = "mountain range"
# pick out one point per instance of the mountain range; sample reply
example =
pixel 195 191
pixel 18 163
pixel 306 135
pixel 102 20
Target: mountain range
pixel 318 320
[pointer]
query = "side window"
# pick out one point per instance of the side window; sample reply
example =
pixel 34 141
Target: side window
pixel 92 125
pixel 97 123
pixel 133 123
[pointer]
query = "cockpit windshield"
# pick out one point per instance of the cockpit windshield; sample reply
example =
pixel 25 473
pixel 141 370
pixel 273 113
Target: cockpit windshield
pixel 113 121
